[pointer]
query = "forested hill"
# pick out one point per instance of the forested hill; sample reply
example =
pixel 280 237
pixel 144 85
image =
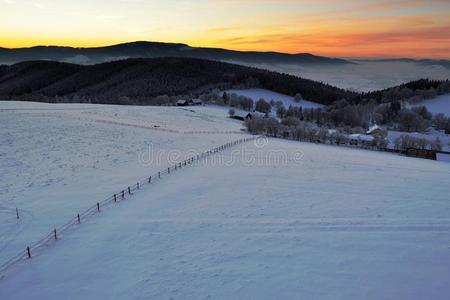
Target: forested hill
pixel 413 91
pixel 138 81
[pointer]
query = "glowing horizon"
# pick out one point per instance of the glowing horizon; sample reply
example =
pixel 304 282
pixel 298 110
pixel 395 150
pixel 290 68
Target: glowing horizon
pixel 352 28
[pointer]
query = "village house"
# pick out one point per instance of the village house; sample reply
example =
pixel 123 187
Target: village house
pixel 182 102
pixel 243 115
pixel 374 130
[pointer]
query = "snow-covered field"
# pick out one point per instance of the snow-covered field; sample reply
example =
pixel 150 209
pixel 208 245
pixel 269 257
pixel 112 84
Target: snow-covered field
pixel 256 94
pixel 58 159
pixel 440 104
pixel 271 220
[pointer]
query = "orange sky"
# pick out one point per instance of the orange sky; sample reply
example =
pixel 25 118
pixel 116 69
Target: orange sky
pixel 352 28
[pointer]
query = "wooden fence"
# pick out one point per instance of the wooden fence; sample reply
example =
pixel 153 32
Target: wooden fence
pixel 58 233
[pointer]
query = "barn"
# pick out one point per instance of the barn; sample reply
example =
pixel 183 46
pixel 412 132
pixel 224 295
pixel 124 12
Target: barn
pixel 243 115
pixel 182 102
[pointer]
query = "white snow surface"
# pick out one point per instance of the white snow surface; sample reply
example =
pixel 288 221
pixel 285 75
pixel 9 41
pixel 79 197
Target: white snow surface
pixel 56 160
pixel 256 94
pixel 440 104
pixel 269 220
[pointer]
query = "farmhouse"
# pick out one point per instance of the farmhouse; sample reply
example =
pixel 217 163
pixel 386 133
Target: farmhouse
pixel 374 130
pixel 257 114
pixel 243 115
pixel 182 102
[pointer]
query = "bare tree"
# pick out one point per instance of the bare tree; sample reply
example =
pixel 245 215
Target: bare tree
pixel 263 106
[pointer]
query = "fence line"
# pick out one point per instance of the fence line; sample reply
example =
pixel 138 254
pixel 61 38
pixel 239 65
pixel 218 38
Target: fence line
pixel 79 218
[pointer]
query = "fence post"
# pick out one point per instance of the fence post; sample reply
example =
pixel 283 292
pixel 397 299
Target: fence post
pixel 28 252
pixel 54 234
pixel 168 170
pixel 159 174
pixel 129 190
pixel 78 217
pixel 150 179
pixel 123 194
pixel 137 185
pixel 17 213
pixel 115 198
pixel 98 207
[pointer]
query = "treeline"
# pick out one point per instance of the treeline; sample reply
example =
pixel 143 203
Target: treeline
pixel 142 81
pixel 342 114
pixel 294 129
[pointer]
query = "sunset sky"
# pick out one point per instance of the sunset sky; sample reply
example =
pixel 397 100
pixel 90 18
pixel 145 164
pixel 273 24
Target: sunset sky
pixel 352 28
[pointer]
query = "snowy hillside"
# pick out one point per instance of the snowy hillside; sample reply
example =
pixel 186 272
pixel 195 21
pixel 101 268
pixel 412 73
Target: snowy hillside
pixel 256 94
pixel 58 159
pixel 440 104
pixel 267 220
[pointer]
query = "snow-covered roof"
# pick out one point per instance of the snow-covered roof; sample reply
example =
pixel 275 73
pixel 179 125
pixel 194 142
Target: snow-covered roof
pixel 244 114
pixel 373 128
pixel 258 114
pixel 181 101
pixel 241 114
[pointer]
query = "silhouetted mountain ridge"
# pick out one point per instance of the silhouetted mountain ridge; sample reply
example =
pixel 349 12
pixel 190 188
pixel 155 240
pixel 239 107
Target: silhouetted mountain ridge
pixel 143 49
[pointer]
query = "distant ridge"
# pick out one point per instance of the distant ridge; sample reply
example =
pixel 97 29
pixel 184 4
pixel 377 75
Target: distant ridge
pixel 429 62
pixel 142 49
